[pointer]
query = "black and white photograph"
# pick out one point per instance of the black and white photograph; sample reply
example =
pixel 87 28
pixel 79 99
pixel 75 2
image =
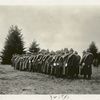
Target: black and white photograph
pixel 50 49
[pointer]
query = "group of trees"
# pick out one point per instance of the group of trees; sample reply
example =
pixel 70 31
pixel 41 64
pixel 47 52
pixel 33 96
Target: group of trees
pixel 14 44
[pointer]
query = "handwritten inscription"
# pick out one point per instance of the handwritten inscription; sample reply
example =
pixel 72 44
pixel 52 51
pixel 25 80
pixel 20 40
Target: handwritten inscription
pixel 59 97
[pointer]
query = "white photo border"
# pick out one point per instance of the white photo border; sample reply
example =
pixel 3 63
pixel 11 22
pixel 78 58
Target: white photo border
pixel 49 96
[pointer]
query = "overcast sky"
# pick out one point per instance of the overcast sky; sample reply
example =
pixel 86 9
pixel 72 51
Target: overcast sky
pixel 53 27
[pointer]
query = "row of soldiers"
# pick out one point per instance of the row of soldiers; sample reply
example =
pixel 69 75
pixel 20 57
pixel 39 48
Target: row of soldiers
pixel 64 64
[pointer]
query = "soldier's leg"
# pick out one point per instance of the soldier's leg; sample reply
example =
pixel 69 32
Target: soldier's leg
pixel 37 67
pixel 40 67
pixel 89 76
pixel 66 71
pixel 85 71
pixel 33 68
pixel 44 68
pixel 60 71
pixel 50 69
pixel 69 72
pixel 56 71
pixel 19 67
pixel 22 66
pixel 25 65
pixel 47 69
pixel 89 71
pixel 84 76
pixel 52 72
pixel 77 72
pixel 28 66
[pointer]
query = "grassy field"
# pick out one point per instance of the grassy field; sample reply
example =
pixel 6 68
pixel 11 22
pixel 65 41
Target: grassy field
pixel 20 82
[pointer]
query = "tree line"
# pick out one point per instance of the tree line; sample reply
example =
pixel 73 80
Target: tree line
pixel 14 44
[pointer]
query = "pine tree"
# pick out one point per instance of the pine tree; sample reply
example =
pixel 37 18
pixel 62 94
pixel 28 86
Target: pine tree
pixel 13 45
pixel 34 47
pixel 93 49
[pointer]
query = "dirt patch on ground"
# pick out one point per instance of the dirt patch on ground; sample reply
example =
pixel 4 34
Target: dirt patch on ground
pixel 20 82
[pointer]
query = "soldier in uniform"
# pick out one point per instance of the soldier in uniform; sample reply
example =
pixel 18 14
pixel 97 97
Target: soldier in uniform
pixel 76 64
pixel 70 63
pixel 86 63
